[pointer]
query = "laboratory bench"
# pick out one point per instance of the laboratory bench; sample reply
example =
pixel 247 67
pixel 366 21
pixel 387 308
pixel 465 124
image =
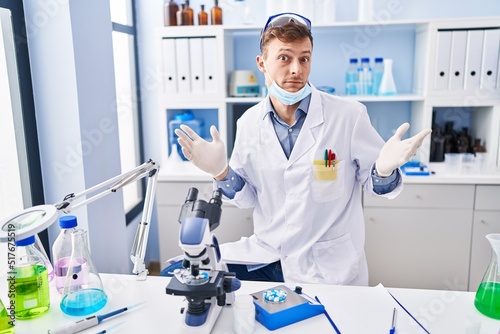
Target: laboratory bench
pixel 433 232
pixel 352 309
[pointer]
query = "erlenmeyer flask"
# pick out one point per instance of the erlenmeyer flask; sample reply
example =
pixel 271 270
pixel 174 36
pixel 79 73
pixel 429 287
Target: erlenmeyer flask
pixel 83 292
pixel 487 299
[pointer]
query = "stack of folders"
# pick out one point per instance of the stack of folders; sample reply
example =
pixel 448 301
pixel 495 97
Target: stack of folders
pixel 189 65
pixel 467 59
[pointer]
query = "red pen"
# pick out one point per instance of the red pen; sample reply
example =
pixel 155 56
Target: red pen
pixel 329 158
pixel 333 160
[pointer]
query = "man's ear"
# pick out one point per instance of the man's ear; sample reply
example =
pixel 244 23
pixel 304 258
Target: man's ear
pixel 260 63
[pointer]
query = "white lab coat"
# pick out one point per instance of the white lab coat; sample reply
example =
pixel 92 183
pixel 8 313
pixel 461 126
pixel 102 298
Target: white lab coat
pixel 316 228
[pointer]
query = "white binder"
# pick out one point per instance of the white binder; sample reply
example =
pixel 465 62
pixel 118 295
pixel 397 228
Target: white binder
pixel 183 69
pixel 210 64
pixel 489 65
pixel 473 59
pixel 443 53
pixel 169 65
pixel 457 62
pixel 196 62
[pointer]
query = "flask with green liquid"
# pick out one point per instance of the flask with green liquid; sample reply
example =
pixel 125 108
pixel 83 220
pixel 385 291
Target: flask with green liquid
pixel 32 296
pixel 487 299
pixel 6 324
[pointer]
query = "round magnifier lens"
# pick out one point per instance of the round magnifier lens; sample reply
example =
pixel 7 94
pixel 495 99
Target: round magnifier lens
pixel 27 223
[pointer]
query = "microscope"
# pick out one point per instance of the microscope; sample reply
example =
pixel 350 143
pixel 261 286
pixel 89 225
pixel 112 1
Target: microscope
pixel 204 279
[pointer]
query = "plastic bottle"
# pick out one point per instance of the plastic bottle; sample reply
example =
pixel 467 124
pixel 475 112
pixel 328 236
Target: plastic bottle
pixel 188 119
pixel 170 9
pixel 61 249
pixel 32 281
pixel 244 315
pixel 216 14
pixel 387 85
pixel 6 323
pixel 190 14
pixel 365 77
pixel 377 73
pixel 351 77
pixel 202 16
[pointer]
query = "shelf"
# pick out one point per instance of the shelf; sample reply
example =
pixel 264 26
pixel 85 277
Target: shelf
pixel 395 98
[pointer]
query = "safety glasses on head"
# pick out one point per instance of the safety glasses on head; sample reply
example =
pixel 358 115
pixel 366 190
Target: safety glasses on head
pixel 282 19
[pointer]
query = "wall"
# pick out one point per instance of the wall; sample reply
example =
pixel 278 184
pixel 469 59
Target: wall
pixel 73 82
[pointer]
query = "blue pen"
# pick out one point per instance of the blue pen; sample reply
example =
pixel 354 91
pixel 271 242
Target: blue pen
pixel 91 321
pixel 393 325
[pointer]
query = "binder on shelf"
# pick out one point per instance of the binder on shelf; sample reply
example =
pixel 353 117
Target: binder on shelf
pixel 473 59
pixel 196 62
pixel 210 64
pixel 457 59
pixel 183 68
pixel 443 54
pixel 489 65
pixel 169 65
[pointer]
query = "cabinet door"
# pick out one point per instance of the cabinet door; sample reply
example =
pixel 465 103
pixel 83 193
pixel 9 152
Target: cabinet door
pixel 485 222
pixel 235 223
pixel 418 248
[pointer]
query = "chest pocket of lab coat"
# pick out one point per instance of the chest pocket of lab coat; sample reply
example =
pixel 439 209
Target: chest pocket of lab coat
pixel 327 183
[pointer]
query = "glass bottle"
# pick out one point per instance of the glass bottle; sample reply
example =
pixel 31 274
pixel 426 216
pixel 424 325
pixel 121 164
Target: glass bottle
pixel 83 291
pixel 378 72
pixel 202 17
pixel 365 77
pixel 487 300
pixel 351 77
pixel 61 249
pixel 387 85
pixel 182 16
pixel 31 280
pixel 190 14
pixel 216 14
pixel 170 13
pixel 6 323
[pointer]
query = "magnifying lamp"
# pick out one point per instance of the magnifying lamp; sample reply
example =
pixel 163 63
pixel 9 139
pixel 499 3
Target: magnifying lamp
pixel 36 219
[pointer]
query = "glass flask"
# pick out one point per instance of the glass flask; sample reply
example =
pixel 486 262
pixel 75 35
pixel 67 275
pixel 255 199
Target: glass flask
pixel 31 280
pixel 487 299
pixel 83 292
pixel 61 249
pixel 6 323
pixel 170 9
pixel 387 86
pixel 48 264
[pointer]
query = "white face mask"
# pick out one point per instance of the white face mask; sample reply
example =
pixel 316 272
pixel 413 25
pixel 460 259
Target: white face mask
pixel 286 97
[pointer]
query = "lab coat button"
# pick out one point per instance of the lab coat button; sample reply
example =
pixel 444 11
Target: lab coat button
pixel 290 130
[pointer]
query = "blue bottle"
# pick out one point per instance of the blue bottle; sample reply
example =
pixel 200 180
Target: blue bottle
pixel 365 77
pixel 377 73
pixel 187 118
pixel 351 77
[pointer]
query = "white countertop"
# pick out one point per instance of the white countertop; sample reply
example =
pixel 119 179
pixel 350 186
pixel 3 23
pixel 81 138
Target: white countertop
pixel 186 172
pixel 353 309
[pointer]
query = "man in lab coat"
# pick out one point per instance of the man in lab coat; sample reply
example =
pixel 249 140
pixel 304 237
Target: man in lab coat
pixel 300 158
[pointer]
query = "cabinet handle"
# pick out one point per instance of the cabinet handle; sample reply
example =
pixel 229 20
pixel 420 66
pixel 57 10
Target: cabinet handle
pixel 483 221
pixel 418 196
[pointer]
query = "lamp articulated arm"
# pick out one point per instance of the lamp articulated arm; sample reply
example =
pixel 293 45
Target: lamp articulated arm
pixel 149 169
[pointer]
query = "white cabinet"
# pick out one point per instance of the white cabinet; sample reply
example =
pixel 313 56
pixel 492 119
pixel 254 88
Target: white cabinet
pixel 170 196
pixel 486 221
pixel 421 239
pixel 432 68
